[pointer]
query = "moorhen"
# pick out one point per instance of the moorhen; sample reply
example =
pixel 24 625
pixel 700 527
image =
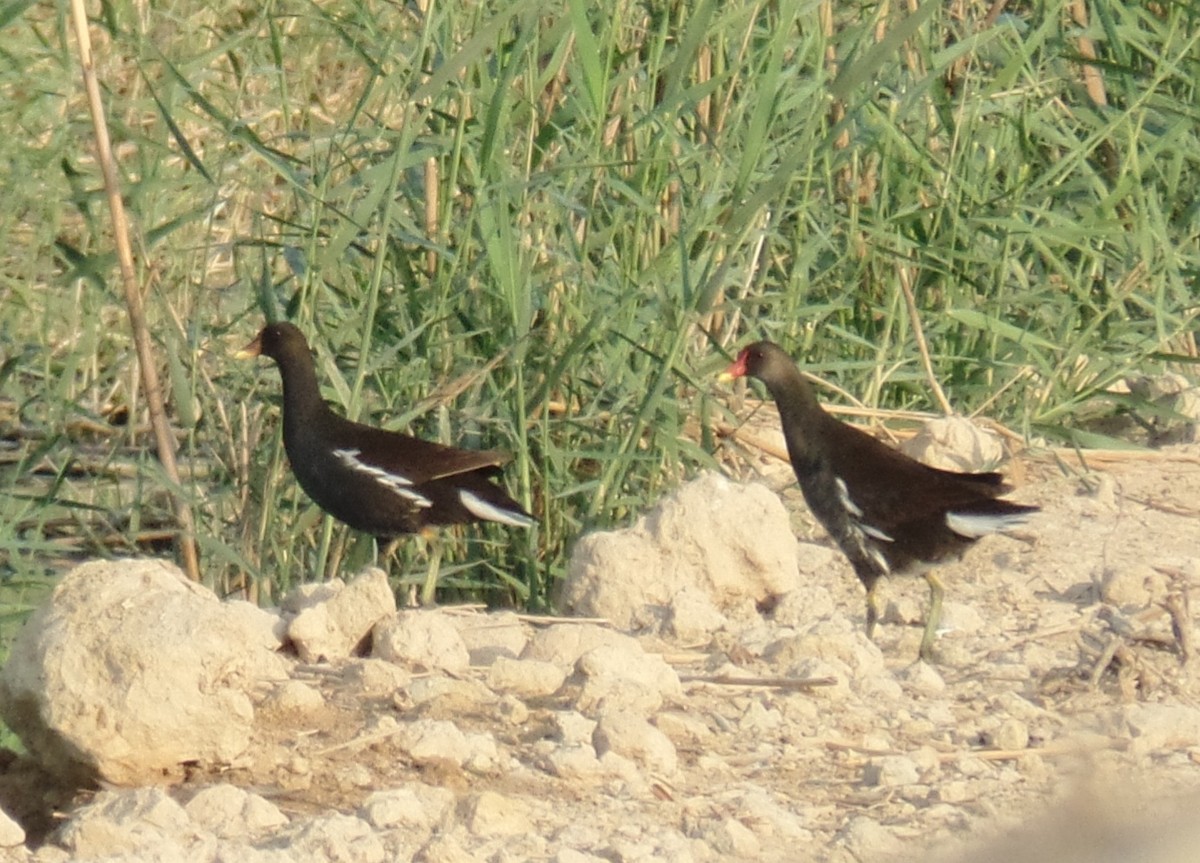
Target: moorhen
pixel 381 482
pixel 887 512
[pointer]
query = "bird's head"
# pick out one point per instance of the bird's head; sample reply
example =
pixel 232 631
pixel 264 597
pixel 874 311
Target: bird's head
pixel 276 341
pixel 763 360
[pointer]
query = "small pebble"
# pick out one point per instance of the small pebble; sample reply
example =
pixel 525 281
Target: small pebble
pixel 891 770
pixel 1012 734
pixel 492 814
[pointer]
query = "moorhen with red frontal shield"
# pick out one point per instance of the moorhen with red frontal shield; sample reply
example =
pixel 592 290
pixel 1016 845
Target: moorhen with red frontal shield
pixel 888 513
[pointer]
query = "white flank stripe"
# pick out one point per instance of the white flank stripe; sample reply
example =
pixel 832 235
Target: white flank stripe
pixel 844 497
pixel 867 548
pixel 482 509
pixel 393 481
pixel 856 514
pixel 880 560
pixel 973 525
pixel 876 533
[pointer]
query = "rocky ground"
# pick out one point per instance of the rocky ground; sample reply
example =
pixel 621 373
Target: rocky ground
pixel 727 707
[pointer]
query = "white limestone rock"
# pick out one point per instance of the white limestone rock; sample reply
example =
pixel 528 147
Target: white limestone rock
pixel 230 812
pixel 129 823
pixel 627 677
pixel 293 698
pixel 564 643
pixel 636 739
pixel 955 443
pixel 422 639
pixel 528 678
pixel 432 740
pixel 414 807
pixel 490 636
pixel 731 542
pixel 336 837
pixel 337 624
pixel 11 834
pixel 130 670
pixel 490 814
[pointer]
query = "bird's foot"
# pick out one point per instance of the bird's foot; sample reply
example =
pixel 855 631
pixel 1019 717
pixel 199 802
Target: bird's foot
pixel 433 546
pixel 928 639
pixel 872 614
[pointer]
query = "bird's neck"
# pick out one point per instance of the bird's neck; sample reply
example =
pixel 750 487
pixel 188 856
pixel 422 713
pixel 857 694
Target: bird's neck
pixel 802 418
pixel 302 395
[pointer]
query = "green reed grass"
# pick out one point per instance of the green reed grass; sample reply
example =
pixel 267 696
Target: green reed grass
pixel 502 225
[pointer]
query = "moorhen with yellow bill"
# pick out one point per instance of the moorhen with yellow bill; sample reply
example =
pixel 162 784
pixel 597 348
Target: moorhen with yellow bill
pixel 380 482
pixel 888 513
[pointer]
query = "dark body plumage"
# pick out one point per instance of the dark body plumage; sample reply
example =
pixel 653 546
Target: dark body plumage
pixel 887 512
pixel 380 482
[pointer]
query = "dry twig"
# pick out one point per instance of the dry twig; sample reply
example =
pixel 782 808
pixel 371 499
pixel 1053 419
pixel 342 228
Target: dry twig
pixel 790 683
pixel 133 298
pixel 922 345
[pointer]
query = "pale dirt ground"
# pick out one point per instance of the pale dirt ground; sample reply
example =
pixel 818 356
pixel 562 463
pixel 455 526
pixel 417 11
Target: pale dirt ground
pixel 1063 633
pixel 1048 651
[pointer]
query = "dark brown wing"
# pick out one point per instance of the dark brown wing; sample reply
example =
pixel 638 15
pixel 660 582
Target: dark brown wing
pixel 892 489
pixel 418 461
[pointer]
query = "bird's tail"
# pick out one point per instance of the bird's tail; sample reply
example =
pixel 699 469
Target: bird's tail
pixel 993 516
pixel 494 505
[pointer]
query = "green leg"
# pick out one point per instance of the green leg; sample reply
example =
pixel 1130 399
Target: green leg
pixel 872 611
pixel 433 548
pixel 386 552
pixel 934 618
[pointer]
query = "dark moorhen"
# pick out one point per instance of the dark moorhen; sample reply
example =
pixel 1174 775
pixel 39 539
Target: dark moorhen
pixel 380 482
pixel 887 512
